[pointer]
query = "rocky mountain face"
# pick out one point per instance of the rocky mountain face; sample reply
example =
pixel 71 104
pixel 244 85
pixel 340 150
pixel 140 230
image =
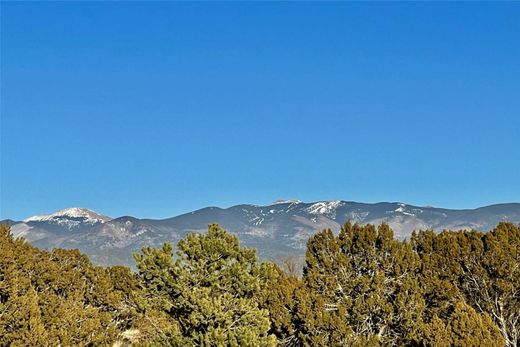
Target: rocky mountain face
pixel 276 230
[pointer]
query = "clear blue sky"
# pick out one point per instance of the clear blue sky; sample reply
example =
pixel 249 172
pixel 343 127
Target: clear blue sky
pixel 155 109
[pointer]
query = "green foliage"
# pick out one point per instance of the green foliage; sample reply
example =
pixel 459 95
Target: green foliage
pixel 366 286
pixel 212 290
pixel 359 288
pixel 288 304
pixel 363 288
pixel 464 328
pixel 482 269
pixel 55 298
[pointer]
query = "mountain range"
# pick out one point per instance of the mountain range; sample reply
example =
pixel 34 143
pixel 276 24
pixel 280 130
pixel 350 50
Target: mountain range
pixel 276 230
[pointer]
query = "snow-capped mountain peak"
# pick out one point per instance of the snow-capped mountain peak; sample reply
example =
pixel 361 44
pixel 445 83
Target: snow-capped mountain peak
pixel 71 217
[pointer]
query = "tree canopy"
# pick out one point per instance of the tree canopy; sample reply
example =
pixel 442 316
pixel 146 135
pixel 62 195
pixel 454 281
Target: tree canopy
pixel 212 290
pixel 358 287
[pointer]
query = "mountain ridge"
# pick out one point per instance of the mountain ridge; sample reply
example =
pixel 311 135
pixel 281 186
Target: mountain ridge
pixel 276 230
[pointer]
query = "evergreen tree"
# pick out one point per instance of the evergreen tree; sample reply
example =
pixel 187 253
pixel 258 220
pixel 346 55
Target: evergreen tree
pixel 289 305
pixel 55 298
pixel 368 293
pixel 481 268
pixel 213 290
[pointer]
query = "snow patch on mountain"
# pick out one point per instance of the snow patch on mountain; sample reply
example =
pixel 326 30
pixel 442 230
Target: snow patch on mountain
pixel 290 201
pixel 257 220
pixel 324 207
pixel 402 209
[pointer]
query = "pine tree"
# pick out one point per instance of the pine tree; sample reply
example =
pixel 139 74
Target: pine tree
pixel 213 290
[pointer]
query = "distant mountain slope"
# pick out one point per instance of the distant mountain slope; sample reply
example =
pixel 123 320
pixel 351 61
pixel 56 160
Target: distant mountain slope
pixel 275 230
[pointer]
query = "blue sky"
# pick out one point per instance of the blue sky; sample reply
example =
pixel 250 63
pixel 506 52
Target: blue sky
pixel 155 109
